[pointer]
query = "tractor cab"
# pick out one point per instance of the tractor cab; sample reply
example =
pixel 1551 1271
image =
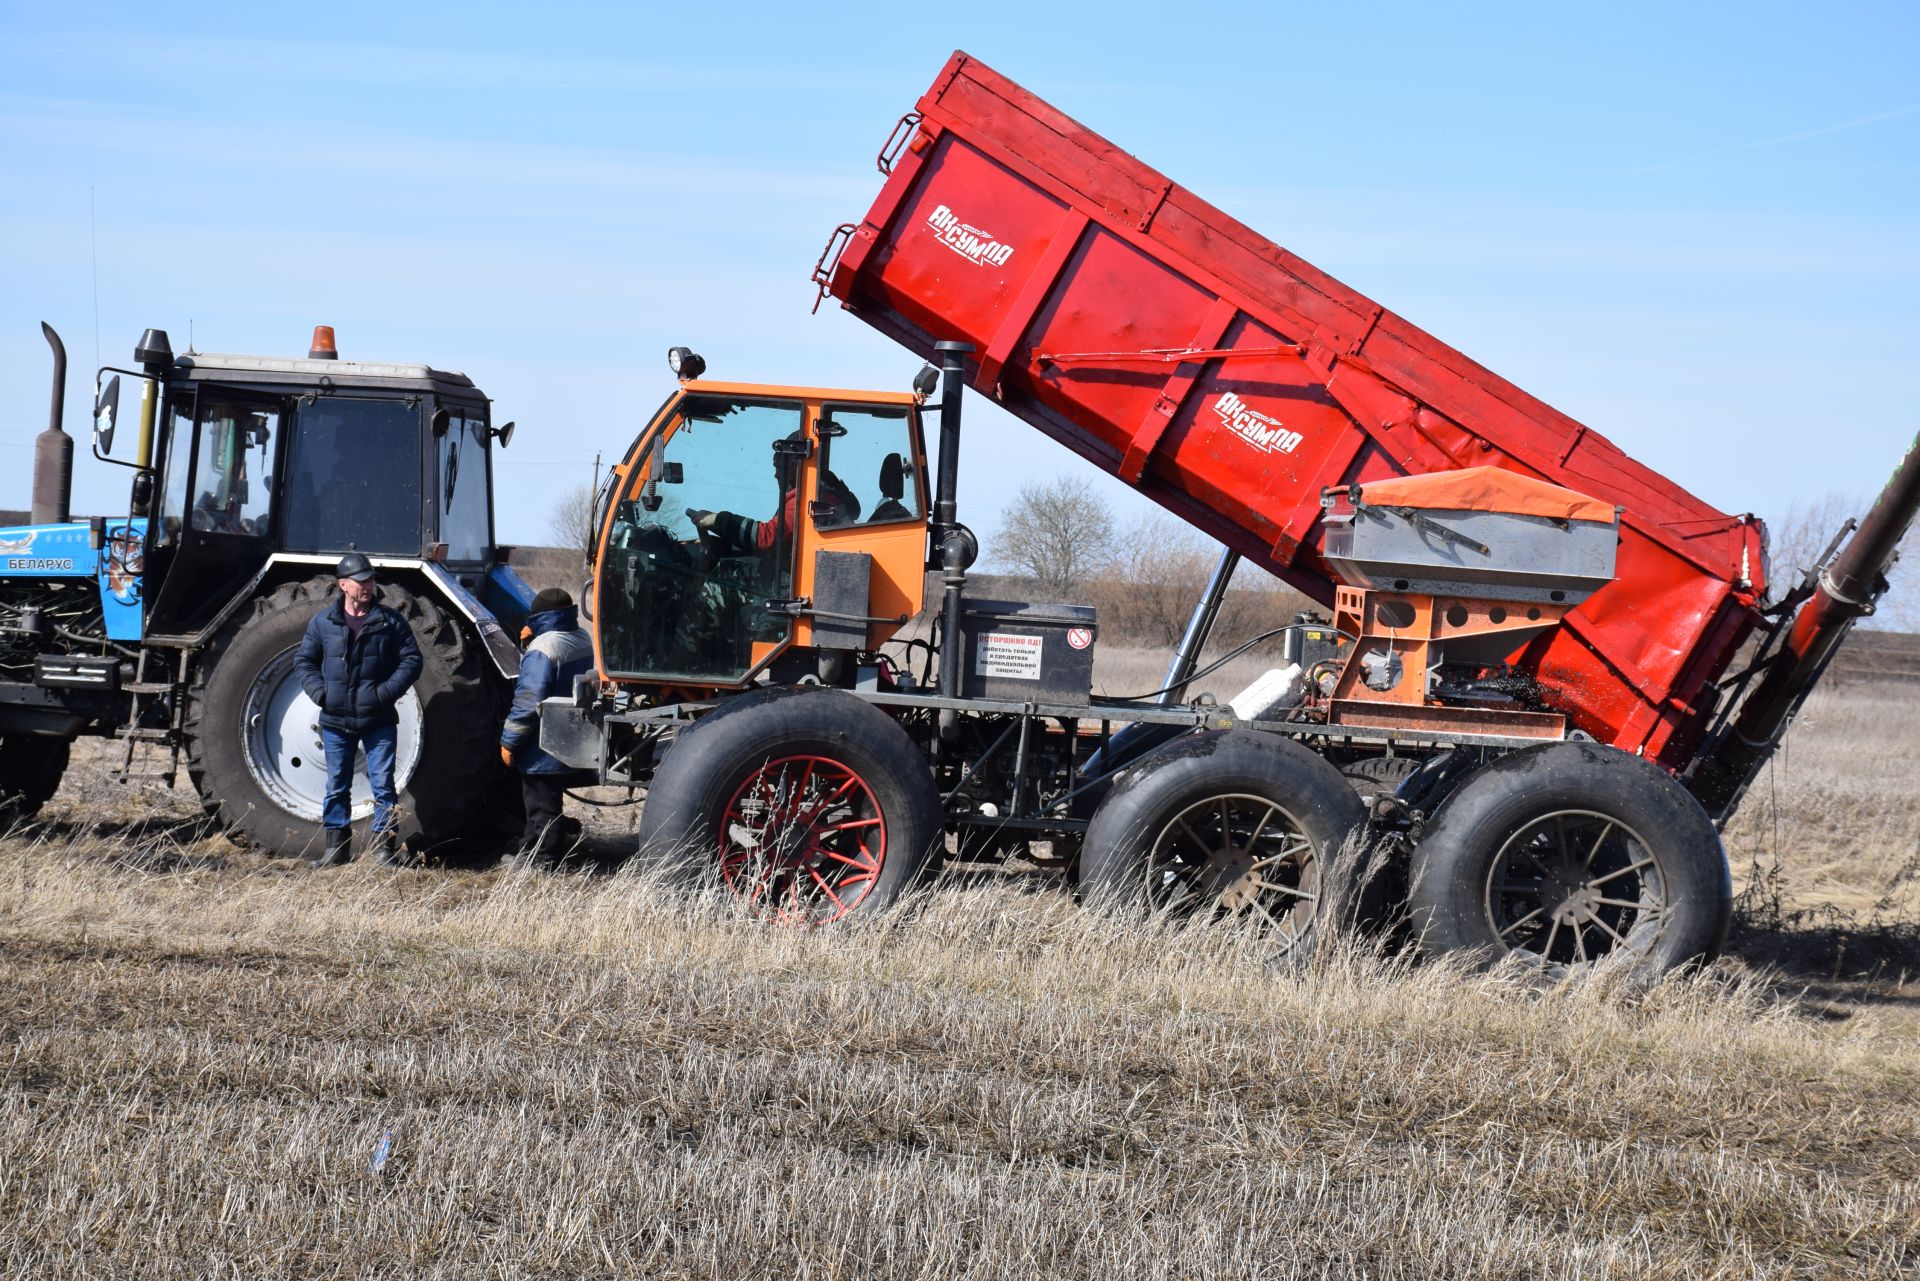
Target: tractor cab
pixel 754 528
pixel 240 459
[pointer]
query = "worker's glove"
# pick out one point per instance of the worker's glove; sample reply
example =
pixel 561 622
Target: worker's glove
pixel 701 519
pixel 506 756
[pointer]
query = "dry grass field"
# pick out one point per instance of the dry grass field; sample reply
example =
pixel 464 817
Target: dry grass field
pixel 217 1065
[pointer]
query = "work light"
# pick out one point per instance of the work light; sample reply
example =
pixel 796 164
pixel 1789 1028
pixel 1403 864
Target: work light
pixel 685 363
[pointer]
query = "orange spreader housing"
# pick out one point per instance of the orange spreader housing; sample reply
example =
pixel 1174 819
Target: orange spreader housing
pixel 1486 489
pixel 1231 381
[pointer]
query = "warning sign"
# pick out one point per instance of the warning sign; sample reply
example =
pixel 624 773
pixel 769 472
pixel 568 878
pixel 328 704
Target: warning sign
pixel 1079 637
pixel 1007 655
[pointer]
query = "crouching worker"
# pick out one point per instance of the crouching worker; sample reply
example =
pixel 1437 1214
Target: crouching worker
pixel 557 651
pixel 356 660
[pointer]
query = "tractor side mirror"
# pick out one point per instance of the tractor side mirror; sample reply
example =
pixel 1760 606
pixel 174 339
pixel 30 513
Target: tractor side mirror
pixel 439 422
pixel 106 408
pixel 504 434
pixel 656 463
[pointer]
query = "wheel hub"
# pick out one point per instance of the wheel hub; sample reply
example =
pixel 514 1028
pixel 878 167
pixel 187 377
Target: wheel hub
pixel 1233 880
pixel 1237 855
pixel 1581 904
pixel 284 752
pixel 802 840
pixel 1573 885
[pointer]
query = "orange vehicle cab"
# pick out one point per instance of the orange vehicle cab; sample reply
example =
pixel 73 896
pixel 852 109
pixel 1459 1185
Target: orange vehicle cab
pixel 754 529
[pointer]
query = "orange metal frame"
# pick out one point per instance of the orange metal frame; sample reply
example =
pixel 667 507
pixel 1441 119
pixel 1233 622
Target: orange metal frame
pixel 1415 627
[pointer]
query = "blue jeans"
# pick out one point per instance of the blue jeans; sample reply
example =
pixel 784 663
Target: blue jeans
pixel 340 744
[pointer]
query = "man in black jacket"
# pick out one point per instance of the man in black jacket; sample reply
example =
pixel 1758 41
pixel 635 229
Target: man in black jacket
pixel 357 659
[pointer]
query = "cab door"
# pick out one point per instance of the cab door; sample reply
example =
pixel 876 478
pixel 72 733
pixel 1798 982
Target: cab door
pixel 696 568
pixel 214 524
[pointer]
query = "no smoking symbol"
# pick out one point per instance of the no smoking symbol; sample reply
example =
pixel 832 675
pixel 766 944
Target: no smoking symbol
pixel 1079 637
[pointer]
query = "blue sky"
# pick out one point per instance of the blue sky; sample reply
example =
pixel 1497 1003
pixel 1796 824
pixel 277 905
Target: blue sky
pixel 1695 228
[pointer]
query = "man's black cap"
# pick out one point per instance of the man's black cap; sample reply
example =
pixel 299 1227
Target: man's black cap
pixel 550 598
pixel 355 566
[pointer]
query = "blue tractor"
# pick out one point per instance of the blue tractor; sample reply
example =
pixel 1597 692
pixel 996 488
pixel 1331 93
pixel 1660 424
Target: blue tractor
pixel 172 628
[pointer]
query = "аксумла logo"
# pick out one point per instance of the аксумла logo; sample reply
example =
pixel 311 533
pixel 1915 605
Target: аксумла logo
pixel 1254 427
pixel 976 246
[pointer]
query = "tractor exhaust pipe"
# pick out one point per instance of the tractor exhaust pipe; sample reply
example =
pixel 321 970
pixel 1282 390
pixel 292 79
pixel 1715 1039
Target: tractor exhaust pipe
pixel 53 448
pixel 1843 593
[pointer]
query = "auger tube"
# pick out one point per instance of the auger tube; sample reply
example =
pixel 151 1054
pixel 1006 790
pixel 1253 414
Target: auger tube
pixel 1843 593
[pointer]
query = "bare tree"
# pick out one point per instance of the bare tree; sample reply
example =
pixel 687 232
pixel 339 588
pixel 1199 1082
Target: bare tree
pixel 571 522
pixel 1057 532
pixel 1799 535
pixel 1159 571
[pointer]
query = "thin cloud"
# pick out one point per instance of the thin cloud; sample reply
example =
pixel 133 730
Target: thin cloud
pixel 1798 135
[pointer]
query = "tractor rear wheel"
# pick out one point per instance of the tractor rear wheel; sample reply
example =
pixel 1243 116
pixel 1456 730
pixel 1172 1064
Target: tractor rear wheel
pixel 31 766
pixel 253 739
pixel 1235 825
pixel 807 804
pixel 1568 853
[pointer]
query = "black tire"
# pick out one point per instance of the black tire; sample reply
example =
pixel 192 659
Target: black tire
pixel 720 777
pixel 457 786
pixel 31 766
pixel 1566 853
pixel 1232 822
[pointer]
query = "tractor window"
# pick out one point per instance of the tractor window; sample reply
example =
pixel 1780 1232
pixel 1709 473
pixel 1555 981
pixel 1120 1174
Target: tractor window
pixel 462 488
pixel 232 481
pixel 173 471
pixel 353 477
pixel 686 588
pixel 867 476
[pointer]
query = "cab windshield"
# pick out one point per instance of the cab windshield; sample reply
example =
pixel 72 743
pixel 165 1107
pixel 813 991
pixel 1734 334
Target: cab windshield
pixel 698 563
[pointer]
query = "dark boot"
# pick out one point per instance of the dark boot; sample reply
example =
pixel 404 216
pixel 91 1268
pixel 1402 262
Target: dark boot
pixel 535 855
pixel 528 859
pixel 387 850
pixel 338 853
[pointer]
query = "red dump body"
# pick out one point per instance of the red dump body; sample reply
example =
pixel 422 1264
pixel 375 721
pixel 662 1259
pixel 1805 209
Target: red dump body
pixel 1229 380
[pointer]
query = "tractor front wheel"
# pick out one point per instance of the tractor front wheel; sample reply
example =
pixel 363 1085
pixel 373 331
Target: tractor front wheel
pixel 31 766
pixel 808 805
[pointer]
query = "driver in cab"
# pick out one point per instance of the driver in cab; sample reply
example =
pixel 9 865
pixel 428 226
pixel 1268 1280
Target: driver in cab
pixel 743 535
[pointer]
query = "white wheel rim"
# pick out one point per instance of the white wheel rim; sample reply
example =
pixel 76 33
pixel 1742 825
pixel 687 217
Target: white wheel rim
pixel 280 739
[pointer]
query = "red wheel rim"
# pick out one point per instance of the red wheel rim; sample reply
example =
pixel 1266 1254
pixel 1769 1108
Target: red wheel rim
pixel 802 841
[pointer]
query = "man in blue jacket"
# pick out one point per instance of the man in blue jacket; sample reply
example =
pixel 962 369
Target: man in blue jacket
pixel 356 660
pixel 557 651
